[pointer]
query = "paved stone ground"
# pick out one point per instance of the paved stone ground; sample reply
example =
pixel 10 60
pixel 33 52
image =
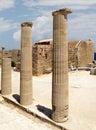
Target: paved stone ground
pixel 82 98
pixel 11 119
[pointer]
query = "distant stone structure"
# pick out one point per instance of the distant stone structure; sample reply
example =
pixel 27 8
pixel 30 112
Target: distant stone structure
pixel 15 56
pixel 76 50
pixel 60 92
pixel 2 54
pixel 80 53
pixel 6 87
pixel 42 57
pixel 26 64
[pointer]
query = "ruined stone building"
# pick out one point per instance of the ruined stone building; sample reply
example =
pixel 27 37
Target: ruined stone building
pixel 13 54
pixel 42 57
pixel 80 53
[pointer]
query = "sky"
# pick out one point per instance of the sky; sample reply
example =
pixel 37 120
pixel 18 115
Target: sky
pixel 81 23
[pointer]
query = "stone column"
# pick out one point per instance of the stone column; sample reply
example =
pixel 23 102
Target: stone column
pixel 6 76
pixel 26 64
pixel 3 52
pixel 60 66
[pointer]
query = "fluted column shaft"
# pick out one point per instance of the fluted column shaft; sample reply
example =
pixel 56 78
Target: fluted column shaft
pixel 6 88
pixel 60 66
pixel 26 64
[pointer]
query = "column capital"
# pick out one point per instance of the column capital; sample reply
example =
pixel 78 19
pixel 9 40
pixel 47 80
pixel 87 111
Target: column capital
pixel 28 24
pixel 63 11
pixel 3 48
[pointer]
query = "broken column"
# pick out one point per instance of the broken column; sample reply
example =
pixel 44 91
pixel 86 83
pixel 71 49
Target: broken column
pixel 6 76
pixel 3 52
pixel 26 64
pixel 60 90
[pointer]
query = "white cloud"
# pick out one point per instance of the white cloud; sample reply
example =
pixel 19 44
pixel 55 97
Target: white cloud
pixel 6 4
pixel 80 27
pixel 6 25
pixel 83 26
pixel 42 27
pixel 17 35
pixel 74 4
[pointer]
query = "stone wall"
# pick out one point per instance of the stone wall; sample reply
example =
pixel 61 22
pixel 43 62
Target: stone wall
pixel 80 53
pixel 42 59
pixel 14 55
pixel 85 53
pixel 72 57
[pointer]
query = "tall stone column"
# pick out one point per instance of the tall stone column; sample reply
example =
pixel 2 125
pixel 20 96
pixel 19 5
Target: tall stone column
pixel 60 66
pixel 26 64
pixel 6 88
pixel 3 52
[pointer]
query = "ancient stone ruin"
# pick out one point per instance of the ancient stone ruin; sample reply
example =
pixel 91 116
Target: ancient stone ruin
pixel 26 64
pixel 6 86
pixel 42 57
pixel 47 57
pixel 60 104
pixel 80 53
pixel 76 50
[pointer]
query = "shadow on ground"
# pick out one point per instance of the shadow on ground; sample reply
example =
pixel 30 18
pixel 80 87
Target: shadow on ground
pixel 44 110
pixel 17 97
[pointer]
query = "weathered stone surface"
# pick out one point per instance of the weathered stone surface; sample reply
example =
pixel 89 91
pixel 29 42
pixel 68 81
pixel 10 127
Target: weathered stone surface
pixel 77 56
pixel 60 88
pixel 85 52
pixel 80 53
pixel 42 57
pixel 26 64
pixel 6 88
pixel 40 63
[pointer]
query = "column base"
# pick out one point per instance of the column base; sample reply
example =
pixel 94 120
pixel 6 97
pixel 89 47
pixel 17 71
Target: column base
pixel 59 119
pixel 26 100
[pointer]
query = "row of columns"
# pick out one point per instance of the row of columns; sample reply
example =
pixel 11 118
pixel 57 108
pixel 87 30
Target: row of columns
pixel 60 66
pixel 26 67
